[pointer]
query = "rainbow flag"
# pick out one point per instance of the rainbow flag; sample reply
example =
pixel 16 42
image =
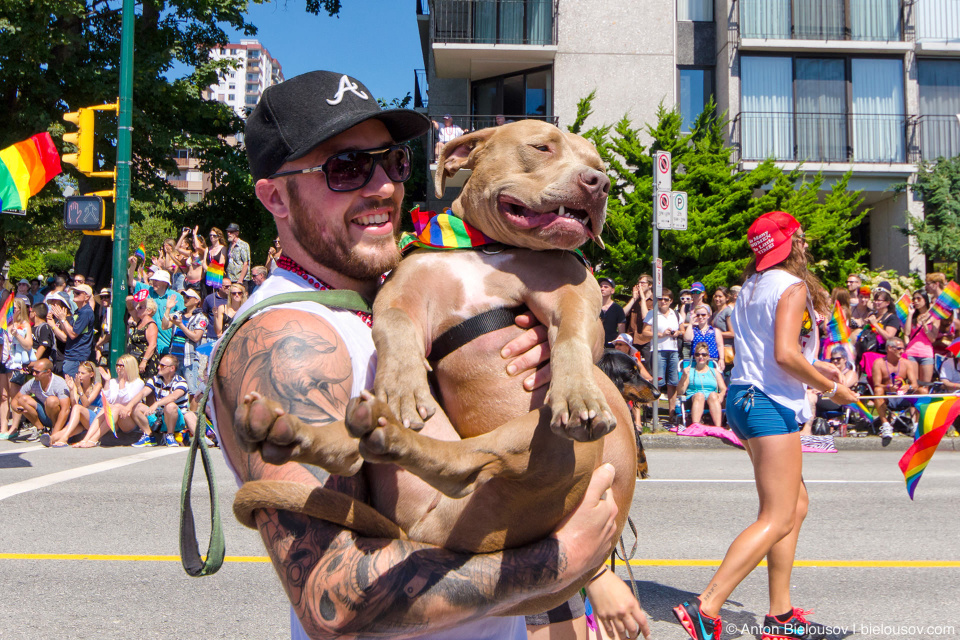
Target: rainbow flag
pixel 936 416
pixel 108 413
pixel 215 274
pixel 141 252
pixel 903 308
pixel 862 410
pixel 445 231
pixel 954 347
pixel 25 168
pixel 837 329
pixel 947 302
pixel 6 312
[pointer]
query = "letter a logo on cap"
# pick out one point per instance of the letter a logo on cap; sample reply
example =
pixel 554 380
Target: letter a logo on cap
pixel 346 85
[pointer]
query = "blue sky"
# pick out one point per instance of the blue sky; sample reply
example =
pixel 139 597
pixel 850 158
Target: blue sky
pixel 375 41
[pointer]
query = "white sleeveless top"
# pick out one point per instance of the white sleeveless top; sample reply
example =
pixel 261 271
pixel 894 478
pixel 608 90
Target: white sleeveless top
pixel 754 363
pixel 357 338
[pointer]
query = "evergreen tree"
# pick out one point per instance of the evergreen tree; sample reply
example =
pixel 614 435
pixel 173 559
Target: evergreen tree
pixel 938 231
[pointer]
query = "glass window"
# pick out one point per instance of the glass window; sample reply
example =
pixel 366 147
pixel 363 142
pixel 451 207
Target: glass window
pixel 695 10
pixel 537 94
pixel 766 104
pixel 938 20
pixel 939 103
pixel 877 108
pixel 696 88
pixel 522 94
pixel 486 98
pixel 232 97
pixel 821 105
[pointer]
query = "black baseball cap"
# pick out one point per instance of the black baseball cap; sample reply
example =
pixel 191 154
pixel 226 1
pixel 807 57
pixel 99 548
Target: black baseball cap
pixel 295 116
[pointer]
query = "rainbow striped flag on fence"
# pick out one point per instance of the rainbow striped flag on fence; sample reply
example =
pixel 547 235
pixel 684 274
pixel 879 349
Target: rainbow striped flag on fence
pixel 947 302
pixel 6 312
pixel 936 416
pixel 25 167
pixel 215 274
pixel 108 413
pixel 903 308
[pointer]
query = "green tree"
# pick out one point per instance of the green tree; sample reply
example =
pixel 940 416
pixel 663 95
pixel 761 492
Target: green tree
pixel 59 55
pixel 938 231
pixel 722 203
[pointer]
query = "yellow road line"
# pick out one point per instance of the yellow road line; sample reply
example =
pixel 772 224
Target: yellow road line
pixel 663 562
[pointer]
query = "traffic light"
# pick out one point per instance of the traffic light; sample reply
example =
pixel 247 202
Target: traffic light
pixel 82 139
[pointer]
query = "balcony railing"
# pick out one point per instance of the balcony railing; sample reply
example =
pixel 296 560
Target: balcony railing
pixel 420 89
pixel 515 22
pixel 938 20
pixel 870 20
pixel 821 137
pixel 474 123
pixel 939 136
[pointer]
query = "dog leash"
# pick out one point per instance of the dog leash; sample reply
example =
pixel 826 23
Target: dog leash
pixel 320 502
pixel 626 558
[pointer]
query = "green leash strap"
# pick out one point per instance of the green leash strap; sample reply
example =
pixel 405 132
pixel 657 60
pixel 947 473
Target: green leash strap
pixel 193 563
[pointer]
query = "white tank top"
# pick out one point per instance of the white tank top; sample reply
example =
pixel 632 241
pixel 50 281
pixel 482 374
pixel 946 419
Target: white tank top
pixel 359 342
pixel 755 363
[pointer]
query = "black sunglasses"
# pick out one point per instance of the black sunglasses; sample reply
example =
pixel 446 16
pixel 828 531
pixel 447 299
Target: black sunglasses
pixel 352 170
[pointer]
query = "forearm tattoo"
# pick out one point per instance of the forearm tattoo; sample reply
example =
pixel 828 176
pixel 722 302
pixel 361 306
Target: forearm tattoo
pixel 339 583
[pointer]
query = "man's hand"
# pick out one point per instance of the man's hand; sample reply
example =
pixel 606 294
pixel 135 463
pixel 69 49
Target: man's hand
pixel 588 533
pixel 529 350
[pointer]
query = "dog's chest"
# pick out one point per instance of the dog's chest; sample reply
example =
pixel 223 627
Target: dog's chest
pixel 471 282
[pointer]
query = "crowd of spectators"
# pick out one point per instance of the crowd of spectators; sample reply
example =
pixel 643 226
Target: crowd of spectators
pixel 695 345
pixel 56 386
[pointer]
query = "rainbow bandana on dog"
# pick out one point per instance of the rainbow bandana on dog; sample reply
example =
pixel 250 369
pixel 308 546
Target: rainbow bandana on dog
pixel 442 231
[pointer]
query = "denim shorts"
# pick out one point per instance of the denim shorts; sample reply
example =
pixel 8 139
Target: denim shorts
pixel 42 415
pixel 668 365
pixel 752 414
pixel 921 360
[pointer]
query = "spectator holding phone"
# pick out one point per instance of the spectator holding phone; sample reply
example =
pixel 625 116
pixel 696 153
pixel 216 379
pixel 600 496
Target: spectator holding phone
pixel 189 328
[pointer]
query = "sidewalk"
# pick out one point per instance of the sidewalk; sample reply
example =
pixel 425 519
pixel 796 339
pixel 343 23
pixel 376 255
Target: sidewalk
pixel 899 444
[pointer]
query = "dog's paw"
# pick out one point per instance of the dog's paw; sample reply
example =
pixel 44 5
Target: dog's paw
pixel 579 411
pixel 408 396
pixel 262 424
pixel 377 427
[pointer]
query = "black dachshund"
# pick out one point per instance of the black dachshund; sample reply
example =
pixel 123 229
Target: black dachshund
pixel 625 374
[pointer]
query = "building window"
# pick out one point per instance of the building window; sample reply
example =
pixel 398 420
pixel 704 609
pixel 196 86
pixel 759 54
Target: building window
pixel 939 82
pixel 822 109
pixel 695 10
pixel 192 197
pixel 696 89
pixel 232 87
pixel 522 95
pixel 252 88
pixel 938 20
pixel 252 77
pixel 876 20
pixel 253 53
pixel 232 97
pixel 252 100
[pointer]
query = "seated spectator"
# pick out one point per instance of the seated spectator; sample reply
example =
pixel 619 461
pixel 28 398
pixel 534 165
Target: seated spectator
pixel 17 354
pixel 839 358
pixel 704 385
pixel 168 412
pixel 189 330
pixel 123 395
pixel 699 331
pixel 950 374
pixel 142 343
pixel 892 376
pixel 101 350
pixel 882 323
pixel 44 401
pixel 87 403
pixel 226 312
pixel 921 330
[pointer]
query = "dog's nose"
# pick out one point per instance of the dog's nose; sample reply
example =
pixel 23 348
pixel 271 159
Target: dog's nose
pixel 594 182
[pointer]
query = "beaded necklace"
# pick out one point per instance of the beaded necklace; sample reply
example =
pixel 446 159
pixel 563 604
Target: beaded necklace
pixel 283 262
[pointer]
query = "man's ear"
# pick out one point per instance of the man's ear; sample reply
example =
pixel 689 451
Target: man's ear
pixel 269 193
pixel 459 153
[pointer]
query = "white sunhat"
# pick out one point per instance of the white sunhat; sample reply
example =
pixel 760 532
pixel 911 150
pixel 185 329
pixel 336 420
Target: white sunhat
pixel 626 339
pixel 161 276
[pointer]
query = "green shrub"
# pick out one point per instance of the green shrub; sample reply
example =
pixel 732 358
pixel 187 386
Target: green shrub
pixel 29 266
pixel 58 261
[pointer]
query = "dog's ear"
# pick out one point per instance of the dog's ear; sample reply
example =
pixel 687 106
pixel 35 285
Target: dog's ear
pixel 459 153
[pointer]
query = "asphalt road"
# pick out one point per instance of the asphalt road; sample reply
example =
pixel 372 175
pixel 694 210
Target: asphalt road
pixel 89 547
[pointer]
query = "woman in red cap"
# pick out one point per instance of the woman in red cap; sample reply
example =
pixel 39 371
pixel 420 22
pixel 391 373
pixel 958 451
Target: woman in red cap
pixel 765 407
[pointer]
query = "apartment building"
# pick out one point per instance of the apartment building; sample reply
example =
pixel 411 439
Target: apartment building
pixel 242 87
pixel 868 86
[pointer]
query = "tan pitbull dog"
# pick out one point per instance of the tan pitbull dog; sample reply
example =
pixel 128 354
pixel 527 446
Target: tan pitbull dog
pixel 515 467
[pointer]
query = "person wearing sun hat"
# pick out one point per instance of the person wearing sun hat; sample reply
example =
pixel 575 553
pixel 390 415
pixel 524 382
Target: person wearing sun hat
pixel 167 299
pixel 776 346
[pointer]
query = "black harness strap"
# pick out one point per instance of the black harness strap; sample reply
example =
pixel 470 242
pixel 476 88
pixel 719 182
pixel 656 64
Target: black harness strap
pixel 468 330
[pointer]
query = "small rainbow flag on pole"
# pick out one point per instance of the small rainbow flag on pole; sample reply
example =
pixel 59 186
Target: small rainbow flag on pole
pixel 947 302
pixel 141 252
pixel 837 328
pixel 6 312
pixel 108 413
pixel 215 274
pixel 903 308
pixel 936 416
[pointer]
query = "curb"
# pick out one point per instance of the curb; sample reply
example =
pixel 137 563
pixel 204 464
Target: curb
pixel 850 443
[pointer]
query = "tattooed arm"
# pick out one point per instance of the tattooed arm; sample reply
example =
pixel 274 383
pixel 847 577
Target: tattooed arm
pixel 340 584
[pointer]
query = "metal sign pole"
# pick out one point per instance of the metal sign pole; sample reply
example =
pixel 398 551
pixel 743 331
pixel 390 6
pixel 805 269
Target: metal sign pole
pixel 662 182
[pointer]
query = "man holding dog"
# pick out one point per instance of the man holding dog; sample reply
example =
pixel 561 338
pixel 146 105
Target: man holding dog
pixel 330 166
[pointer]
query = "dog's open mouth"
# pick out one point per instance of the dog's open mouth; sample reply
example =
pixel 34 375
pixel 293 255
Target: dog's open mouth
pixel 522 216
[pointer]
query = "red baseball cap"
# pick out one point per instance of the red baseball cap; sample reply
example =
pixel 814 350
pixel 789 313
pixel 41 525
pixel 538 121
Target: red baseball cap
pixel 770 238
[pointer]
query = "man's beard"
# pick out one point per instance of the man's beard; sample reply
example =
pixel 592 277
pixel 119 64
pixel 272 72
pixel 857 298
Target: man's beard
pixel 334 250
